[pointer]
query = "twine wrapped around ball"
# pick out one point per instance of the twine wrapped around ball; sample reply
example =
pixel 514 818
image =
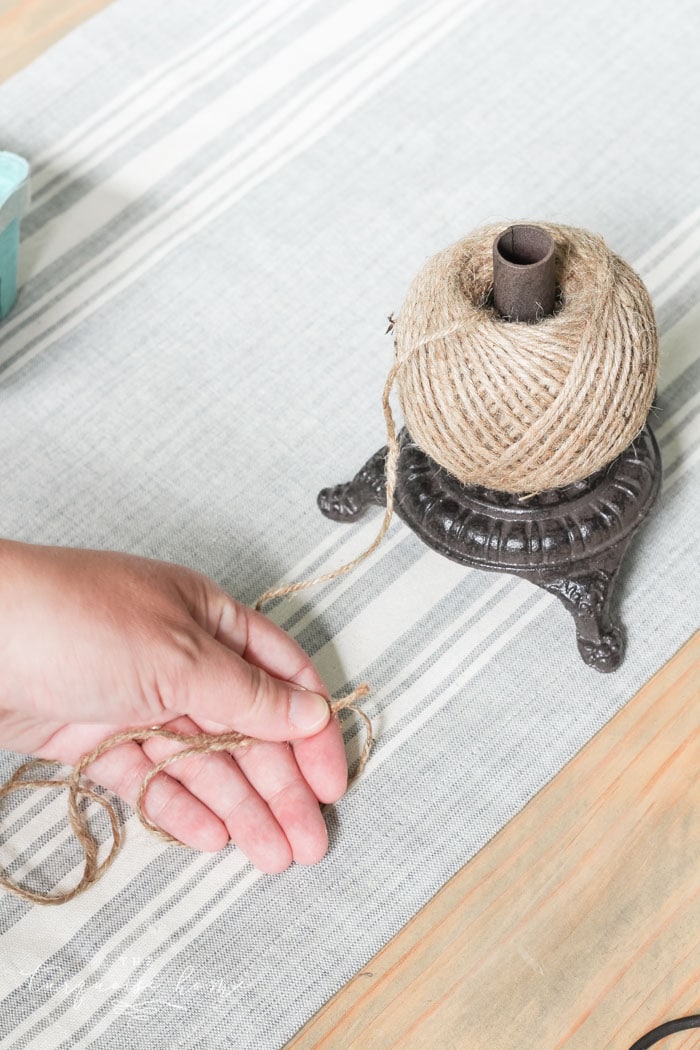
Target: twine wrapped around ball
pixel 513 406
pixel 526 407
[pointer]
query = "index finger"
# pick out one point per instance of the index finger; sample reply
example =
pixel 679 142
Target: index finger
pixel 256 638
pixel 261 642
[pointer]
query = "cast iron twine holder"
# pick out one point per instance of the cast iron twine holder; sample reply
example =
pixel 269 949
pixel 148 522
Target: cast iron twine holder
pixel 570 541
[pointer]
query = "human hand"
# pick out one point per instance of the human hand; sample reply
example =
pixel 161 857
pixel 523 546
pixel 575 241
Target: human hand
pixel 96 642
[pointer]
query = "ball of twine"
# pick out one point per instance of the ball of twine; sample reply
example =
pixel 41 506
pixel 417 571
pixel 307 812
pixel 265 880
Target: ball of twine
pixel 526 407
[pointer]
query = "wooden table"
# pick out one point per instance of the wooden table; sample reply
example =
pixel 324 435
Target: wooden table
pixel 577 926
pixel 28 27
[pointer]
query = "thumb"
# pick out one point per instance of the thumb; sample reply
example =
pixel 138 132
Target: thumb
pixel 224 687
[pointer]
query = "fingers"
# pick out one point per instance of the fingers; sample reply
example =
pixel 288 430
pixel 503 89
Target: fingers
pixel 168 804
pixel 257 639
pixel 271 768
pixel 220 686
pixel 264 804
pixel 321 757
pixel 322 761
pixel 219 784
pixel 203 801
pixel 262 796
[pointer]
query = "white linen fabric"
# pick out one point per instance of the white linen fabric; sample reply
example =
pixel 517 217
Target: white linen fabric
pixel 228 201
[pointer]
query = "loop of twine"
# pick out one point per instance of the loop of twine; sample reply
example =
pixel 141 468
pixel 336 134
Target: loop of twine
pixel 194 744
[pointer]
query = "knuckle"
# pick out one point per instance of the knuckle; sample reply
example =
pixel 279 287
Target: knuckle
pixel 124 780
pixel 177 666
pixel 260 696
pixel 231 622
pixel 158 798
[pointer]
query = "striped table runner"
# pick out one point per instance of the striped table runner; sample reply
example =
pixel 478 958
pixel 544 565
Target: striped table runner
pixel 228 200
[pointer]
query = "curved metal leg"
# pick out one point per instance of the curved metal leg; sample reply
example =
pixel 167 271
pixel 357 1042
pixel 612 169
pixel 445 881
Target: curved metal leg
pixel 569 541
pixel 348 501
pixel 587 598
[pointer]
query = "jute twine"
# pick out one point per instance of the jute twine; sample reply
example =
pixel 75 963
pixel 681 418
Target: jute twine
pixel 191 744
pixel 517 407
pixel 526 407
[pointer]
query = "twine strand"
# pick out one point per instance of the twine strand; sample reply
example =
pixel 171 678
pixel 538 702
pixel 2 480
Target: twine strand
pixel 391 473
pixel 193 744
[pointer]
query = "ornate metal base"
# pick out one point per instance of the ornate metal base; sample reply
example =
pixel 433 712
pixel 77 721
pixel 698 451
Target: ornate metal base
pixel 569 541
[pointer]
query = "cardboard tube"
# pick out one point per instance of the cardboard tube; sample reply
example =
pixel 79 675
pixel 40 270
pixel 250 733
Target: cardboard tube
pixel 524 282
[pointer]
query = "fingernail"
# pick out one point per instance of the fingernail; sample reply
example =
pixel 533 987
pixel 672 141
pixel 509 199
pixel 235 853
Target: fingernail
pixel 308 710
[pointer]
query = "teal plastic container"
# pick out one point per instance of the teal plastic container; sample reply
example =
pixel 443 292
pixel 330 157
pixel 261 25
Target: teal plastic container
pixel 14 202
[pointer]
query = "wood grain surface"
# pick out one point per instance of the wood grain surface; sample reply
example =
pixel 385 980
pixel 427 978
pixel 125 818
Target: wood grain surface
pixel 28 27
pixel 577 926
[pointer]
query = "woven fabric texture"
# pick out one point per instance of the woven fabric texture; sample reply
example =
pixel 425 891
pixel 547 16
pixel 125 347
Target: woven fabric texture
pixel 228 201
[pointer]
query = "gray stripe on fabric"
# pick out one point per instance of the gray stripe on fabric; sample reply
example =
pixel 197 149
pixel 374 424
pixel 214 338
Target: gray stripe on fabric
pixel 18 355
pixel 323 73
pixel 25 1000
pixel 310 82
pixel 320 72
pixel 249 47
pixel 682 301
pixel 105 57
